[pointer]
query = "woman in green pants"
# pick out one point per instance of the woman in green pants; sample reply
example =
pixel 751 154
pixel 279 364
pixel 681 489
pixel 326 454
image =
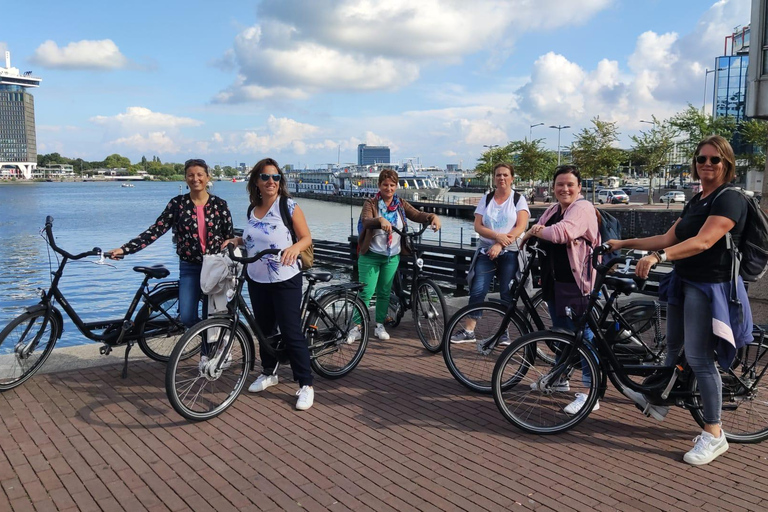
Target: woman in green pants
pixel 379 247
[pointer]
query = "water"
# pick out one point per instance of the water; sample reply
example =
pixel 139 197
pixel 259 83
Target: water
pixel 106 215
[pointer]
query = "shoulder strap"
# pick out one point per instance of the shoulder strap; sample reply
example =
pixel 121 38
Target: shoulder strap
pixel 286 216
pixel 515 198
pixel 488 198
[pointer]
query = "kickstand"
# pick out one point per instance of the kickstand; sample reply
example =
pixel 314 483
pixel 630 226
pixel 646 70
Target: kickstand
pixel 125 363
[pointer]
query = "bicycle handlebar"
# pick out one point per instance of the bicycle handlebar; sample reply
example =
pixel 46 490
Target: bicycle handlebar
pixel 52 242
pixel 250 259
pixel 412 234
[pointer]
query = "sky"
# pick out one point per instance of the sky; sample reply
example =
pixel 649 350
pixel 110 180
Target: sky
pixel 305 82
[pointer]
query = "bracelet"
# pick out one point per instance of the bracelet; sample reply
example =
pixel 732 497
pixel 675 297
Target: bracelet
pixel 658 257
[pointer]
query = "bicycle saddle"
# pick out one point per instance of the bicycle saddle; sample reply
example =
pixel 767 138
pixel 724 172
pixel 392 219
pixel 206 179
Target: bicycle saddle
pixel 323 277
pixel 155 271
pixel 625 285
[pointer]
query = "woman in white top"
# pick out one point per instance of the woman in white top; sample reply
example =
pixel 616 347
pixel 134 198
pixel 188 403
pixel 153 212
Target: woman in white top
pixel 275 284
pixel 501 217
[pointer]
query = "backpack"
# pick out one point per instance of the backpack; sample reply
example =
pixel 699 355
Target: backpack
pixel 609 228
pixel 307 256
pixel 489 196
pixel 750 258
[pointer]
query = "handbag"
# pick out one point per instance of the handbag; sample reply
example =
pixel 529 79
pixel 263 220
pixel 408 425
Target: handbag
pixel 307 256
pixel 569 295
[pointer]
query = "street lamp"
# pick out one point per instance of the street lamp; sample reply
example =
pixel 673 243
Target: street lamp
pixel 530 130
pixel 706 74
pixel 490 147
pixel 650 122
pixel 559 128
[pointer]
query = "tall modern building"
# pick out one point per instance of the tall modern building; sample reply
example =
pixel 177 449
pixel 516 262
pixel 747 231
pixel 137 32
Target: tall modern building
pixel 369 155
pixel 18 140
pixel 730 94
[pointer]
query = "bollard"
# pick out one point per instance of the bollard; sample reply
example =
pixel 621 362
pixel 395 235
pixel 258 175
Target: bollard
pixel 473 240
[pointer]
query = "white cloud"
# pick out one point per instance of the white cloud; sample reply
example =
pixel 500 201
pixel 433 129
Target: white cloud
pixel 280 133
pixel 156 142
pixel 143 118
pixel 365 45
pixel 92 55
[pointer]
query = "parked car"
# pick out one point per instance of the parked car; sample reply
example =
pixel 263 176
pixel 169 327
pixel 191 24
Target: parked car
pixel 612 196
pixel 673 196
pixel 641 190
pixel 627 190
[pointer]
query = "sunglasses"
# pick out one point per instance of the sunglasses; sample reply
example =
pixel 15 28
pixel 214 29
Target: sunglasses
pixel 265 177
pixel 714 160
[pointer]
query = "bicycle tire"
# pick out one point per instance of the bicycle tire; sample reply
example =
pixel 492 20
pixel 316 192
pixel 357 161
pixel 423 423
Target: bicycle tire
pixel 540 305
pixel 192 390
pixel 157 334
pixel 744 414
pixel 648 320
pixel 14 369
pixel 394 312
pixel 332 353
pixel 429 315
pixel 532 410
pixel 468 361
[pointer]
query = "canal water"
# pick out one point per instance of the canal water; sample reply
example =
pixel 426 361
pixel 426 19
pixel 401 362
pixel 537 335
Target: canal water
pixel 106 215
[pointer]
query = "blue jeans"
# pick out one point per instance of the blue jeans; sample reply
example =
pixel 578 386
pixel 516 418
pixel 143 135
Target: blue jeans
pixel 689 325
pixel 563 322
pixel 190 293
pixel 504 267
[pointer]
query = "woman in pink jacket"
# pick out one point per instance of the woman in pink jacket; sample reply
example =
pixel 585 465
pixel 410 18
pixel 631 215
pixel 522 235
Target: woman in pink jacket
pixel 567 231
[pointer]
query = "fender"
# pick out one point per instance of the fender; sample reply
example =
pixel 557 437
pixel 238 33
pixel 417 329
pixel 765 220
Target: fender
pixel 54 311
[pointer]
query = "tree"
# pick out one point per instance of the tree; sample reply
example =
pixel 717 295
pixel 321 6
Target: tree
pixel 694 126
pixel 531 160
pixel 490 158
pixel 116 161
pixel 653 148
pixel 593 150
pixel 755 133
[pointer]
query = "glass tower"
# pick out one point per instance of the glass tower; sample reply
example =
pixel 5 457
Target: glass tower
pixel 18 139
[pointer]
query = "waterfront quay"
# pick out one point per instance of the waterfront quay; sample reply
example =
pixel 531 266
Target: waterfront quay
pixel 398 433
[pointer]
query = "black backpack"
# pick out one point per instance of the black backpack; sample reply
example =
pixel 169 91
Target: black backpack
pixel 489 196
pixel 609 228
pixel 750 258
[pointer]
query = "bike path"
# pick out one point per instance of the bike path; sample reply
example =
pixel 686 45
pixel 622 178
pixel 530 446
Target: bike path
pixel 398 433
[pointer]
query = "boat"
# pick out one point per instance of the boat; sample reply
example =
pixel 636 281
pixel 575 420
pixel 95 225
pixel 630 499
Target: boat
pixel 127 185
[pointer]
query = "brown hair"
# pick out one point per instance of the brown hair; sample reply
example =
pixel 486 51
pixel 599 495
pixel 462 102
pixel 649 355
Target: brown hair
pixel 726 153
pixel 567 169
pixel 505 165
pixel 388 174
pixel 195 162
pixel 254 194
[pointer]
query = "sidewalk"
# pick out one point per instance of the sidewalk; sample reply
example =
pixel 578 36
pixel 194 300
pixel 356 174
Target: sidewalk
pixel 398 433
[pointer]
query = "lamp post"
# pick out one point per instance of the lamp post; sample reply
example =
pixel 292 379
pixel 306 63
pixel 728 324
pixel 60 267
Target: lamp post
pixel 706 74
pixel 559 128
pixel 530 130
pixel 490 147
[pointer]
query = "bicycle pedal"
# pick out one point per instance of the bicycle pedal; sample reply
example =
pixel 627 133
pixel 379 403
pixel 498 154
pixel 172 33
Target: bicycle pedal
pixel 105 350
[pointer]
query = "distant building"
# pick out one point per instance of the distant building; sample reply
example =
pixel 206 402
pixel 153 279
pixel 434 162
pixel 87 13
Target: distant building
pixel 730 93
pixel 18 139
pixel 452 167
pixel 369 155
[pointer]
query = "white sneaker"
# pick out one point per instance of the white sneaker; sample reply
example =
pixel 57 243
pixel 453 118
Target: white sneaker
pixel 504 339
pixel 262 383
pixel 575 406
pixel 657 412
pixel 353 335
pixel 706 449
pixel 561 385
pixel 381 332
pixel 463 336
pixel 306 398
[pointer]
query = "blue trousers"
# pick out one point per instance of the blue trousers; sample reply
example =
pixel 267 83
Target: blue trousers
pixel 503 267
pixel 190 293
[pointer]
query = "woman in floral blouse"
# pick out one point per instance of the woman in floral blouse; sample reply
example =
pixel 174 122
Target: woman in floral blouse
pixel 202 222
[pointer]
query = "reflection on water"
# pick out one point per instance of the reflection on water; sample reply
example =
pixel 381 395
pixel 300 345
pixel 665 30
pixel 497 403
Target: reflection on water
pixel 106 215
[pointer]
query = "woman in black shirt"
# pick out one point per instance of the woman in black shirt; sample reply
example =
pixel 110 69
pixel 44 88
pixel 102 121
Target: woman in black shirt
pixel 696 242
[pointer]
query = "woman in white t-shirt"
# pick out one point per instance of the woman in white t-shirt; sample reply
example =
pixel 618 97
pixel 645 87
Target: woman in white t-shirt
pixel 499 220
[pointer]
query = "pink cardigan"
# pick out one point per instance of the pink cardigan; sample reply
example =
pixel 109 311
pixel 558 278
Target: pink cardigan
pixel 578 226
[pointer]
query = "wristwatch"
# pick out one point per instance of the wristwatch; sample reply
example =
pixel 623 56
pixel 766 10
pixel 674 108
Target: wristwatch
pixel 662 254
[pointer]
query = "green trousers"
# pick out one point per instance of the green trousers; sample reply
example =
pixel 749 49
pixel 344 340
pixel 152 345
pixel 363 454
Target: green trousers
pixel 377 273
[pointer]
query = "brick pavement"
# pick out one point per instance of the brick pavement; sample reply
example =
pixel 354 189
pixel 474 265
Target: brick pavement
pixel 398 433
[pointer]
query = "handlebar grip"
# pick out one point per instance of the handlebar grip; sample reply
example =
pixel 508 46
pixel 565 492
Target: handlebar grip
pixel 110 254
pixel 250 259
pixel 48 221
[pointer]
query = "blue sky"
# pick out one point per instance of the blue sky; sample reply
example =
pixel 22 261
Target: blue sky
pixel 304 82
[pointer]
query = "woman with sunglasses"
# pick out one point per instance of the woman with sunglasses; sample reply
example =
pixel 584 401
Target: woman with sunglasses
pixel 700 283
pixel 274 285
pixel 201 222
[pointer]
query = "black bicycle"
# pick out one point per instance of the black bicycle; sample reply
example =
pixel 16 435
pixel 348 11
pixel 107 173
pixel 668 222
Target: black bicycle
pixel 471 361
pixel 427 305
pixel 27 341
pixel 532 394
pixel 200 389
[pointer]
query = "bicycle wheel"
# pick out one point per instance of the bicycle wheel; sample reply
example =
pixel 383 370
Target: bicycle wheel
pixel 159 334
pixel 25 345
pixel 334 353
pixel 193 388
pixel 646 338
pixel 471 361
pixel 429 315
pixel 524 399
pixel 745 411
pixel 547 354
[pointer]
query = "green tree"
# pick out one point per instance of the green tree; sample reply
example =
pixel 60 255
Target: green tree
pixel 531 160
pixel 653 148
pixel 755 133
pixel 116 161
pixel 488 159
pixel 593 150
pixel 694 126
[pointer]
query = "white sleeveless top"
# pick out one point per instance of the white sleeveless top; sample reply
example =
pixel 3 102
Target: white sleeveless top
pixel 269 233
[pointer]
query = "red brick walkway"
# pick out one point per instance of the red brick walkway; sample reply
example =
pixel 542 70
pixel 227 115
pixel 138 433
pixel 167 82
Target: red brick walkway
pixel 398 433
